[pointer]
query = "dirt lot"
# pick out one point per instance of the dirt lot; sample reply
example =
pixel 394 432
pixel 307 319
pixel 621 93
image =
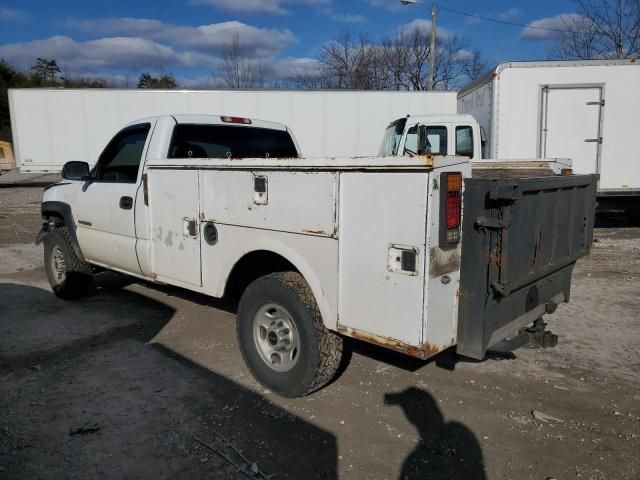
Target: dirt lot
pixel 146 382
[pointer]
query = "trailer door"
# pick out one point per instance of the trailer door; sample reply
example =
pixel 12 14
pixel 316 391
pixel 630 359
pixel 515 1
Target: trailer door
pixel 571 126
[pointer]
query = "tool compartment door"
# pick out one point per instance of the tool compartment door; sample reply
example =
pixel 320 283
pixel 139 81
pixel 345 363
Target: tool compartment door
pixel 382 222
pixel 174 197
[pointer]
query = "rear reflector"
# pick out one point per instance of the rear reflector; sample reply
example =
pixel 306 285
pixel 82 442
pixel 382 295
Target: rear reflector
pixel 450 208
pixel 240 120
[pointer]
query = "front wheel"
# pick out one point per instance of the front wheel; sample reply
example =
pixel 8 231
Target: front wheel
pixel 69 276
pixel 282 338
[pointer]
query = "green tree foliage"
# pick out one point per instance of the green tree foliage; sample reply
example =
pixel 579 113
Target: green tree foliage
pixel 163 82
pixel 9 78
pixel 45 71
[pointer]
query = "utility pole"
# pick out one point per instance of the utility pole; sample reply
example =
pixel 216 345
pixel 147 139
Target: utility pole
pixel 432 47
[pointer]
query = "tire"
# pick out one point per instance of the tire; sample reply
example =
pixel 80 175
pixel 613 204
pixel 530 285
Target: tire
pixel 285 302
pixel 69 276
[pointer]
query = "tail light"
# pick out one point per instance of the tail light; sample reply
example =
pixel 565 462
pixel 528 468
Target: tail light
pixel 240 120
pixel 450 208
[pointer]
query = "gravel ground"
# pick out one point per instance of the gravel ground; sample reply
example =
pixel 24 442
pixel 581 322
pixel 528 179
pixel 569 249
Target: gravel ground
pixel 138 381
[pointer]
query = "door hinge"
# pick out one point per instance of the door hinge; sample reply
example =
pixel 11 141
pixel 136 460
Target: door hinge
pixel 491 223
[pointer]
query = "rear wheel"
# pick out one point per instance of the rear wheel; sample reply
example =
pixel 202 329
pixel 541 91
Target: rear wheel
pixel 69 276
pixel 282 338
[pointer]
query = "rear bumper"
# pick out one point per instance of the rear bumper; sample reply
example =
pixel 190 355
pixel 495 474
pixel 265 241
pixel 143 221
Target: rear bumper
pixel 482 325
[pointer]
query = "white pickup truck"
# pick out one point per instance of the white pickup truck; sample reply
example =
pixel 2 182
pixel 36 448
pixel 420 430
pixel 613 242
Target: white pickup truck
pixel 317 249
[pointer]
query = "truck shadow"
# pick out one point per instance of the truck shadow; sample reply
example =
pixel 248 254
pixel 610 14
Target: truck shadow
pixel 83 394
pixel 614 220
pixel 143 410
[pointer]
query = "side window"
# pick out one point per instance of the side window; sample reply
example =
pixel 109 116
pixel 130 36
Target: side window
pixel 464 141
pixel 411 142
pixel 120 161
pixel 437 140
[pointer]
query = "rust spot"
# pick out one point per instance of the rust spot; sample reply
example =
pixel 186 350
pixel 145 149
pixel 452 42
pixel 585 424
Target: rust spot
pixel 428 160
pixel 316 232
pixel 442 261
pixel 432 349
pixel 385 342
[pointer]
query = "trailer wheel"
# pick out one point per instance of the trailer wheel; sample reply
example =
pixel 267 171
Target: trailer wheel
pixel 68 275
pixel 282 338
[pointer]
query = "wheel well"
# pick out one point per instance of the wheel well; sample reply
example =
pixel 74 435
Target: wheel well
pixel 253 266
pixel 53 216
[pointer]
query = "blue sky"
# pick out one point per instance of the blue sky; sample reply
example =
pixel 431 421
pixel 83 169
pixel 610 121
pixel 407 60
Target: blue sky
pixel 121 38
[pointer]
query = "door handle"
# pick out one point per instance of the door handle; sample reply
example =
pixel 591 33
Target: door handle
pixel 126 203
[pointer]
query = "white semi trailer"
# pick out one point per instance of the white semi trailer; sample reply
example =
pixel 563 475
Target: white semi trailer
pixel 587 111
pixel 54 126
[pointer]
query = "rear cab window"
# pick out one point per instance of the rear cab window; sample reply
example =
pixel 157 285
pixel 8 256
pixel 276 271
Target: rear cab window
pixel 224 141
pixel 464 141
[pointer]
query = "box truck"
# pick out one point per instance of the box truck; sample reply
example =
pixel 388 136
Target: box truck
pixel 54 126
pixel 587 111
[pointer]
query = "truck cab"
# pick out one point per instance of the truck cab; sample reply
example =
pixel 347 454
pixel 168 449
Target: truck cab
pixel 458 135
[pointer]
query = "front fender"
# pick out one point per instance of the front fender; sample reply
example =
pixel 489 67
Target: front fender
pixel 63 211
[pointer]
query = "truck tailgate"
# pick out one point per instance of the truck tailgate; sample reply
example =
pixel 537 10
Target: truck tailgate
pixel 521 238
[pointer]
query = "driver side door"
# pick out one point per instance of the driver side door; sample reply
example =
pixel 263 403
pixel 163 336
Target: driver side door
pixel 105 205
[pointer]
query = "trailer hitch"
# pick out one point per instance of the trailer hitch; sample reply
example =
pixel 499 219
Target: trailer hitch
pixel 535 336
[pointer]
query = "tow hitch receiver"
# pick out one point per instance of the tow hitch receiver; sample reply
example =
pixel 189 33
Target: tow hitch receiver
pixel 535 336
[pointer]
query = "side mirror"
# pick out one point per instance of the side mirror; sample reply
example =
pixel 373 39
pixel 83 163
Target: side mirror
pixel 75 171
pixel 423 142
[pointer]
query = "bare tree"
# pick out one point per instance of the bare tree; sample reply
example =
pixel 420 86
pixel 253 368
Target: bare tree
pixel 399 62
pixel 406 58
pixel 475 64
pixel 601 29
pixel 352 63
pixel 238 70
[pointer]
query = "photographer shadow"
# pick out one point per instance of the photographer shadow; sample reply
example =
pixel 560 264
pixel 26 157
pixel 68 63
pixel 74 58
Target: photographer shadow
pixel 444 449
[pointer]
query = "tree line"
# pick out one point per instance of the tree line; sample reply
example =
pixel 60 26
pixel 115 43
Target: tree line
pixel 46 73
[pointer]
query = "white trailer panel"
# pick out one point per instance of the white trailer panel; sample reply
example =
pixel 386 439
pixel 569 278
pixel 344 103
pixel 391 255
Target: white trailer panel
pixel 54 126
pixel 587 111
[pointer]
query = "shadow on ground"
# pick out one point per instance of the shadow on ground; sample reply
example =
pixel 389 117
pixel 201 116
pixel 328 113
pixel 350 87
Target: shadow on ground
pixel 444 449
pixel 85 395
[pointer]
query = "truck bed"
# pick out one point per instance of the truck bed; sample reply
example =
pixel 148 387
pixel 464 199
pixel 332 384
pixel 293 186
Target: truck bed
pixel 521 238
pixel 499 169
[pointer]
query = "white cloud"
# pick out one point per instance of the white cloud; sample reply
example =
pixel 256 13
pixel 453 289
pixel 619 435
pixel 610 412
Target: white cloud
pixel 505 16
pixel 12 14
pixel 116 53
pixel 212 39
pixel 554 25
pixel 258 6
pixel 287 67
pixel 463 55
pixel 422 26
pixel 388 4
pixel 347 17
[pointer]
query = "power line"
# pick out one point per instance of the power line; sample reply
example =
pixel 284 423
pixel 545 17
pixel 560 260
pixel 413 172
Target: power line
pixel 505 22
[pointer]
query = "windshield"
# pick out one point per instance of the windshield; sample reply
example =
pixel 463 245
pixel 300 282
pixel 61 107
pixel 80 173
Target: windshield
pixel 391 139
